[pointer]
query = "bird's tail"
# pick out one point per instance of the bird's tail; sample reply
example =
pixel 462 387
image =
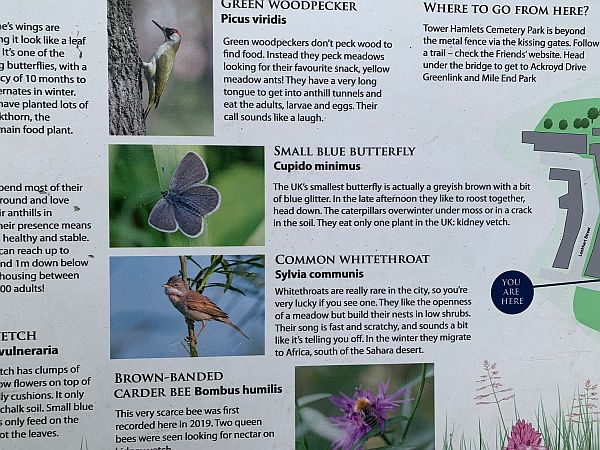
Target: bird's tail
pixel 147 111
pixel 230 323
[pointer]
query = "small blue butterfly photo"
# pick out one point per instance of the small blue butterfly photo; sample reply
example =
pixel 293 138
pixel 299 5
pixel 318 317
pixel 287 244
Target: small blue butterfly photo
pixel 187 202
pixel 183 196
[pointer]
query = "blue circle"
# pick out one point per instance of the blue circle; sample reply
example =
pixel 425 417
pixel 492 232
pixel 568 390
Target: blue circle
pixel 512 292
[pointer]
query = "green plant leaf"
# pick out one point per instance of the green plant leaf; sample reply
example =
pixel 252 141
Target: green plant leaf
pixel 318 423
pixel 389 425
pixel 398 447
pixel 227 272
pixel 307 399
pixel 225 287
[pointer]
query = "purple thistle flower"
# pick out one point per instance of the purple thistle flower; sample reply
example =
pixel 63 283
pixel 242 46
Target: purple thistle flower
pixel 362 412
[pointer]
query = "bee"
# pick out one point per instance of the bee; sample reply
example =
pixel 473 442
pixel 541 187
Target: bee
pixel 364 408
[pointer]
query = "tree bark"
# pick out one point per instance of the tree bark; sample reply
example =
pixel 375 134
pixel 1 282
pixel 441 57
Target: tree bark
pixel 124 72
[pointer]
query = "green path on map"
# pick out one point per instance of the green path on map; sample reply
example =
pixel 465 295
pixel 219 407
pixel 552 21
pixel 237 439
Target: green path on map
pixel 580 117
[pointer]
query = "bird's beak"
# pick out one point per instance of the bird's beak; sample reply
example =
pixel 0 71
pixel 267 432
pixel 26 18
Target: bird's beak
pixel 160 26
pixel 165 285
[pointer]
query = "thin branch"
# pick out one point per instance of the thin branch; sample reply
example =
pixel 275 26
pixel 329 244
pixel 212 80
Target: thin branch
pixel 191 339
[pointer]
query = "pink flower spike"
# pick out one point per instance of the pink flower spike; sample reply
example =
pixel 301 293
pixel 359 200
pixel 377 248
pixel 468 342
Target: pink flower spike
pixel 525 437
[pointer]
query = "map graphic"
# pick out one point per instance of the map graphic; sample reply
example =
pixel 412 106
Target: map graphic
pixel 568 128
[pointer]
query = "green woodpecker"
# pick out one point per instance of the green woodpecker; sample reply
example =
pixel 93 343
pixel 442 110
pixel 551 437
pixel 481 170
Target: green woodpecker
pixel 158 69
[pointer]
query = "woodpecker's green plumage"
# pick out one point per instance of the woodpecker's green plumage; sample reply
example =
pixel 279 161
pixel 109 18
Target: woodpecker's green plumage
pixel 158 69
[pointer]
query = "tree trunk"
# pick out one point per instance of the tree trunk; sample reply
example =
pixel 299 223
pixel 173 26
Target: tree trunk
pixel 124 72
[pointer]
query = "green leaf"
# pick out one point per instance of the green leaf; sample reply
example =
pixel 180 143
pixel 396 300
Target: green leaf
pixel 397 447
pixel 307 399
pixel 318 423
pixel 393 421
pixel 256 261
pixel 376 430
pixel 301 444
pixel 225 287
pixel 258 237
pixel 191 258
pixel 227 272
pixel 417 380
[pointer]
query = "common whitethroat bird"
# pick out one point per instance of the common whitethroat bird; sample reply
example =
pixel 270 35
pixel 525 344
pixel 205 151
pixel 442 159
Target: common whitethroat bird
pixel 195 306
pixel 158 69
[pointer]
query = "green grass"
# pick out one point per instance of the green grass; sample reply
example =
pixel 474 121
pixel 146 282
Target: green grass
pixel 586 306
pixel 559 431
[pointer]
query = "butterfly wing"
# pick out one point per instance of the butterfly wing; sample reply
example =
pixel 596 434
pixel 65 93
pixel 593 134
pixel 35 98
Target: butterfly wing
pixel 190 171
pixel 187 202
pixel 190 223
pixel 193 205
pixel 162 217
pixel 201 199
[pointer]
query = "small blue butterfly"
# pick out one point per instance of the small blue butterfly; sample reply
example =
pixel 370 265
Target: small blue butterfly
pixel 187 202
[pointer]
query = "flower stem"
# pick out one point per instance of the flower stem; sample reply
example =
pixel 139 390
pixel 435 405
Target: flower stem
pixel 497 402
pixel 418 400
pixel 386 439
